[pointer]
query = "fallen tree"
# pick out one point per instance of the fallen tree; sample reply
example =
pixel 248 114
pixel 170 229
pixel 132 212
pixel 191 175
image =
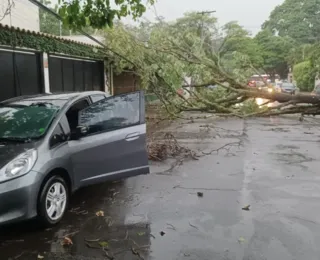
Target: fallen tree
pixel 193 54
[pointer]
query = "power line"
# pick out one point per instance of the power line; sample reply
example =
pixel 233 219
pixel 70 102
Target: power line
pixel 206 12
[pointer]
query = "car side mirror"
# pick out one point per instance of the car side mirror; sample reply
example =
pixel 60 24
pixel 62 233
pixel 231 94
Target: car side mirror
pixel 80 132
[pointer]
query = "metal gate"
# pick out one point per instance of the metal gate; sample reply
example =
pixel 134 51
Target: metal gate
pixel 69 74
pixel 20 73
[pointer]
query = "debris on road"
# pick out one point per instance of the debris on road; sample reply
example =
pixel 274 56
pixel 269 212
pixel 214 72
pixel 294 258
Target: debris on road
pixel 100 213
pixel 167 147
pixel 241 240
pixel 66 241
pixel 193 226
pixel 200 194
pixel 171 226
pixel 40 257
pixel 247 208
pixel 162 233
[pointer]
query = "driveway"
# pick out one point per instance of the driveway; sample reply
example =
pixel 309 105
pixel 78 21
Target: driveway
pixel 194 211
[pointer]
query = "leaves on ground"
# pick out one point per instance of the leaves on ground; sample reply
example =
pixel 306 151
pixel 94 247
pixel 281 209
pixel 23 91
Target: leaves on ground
pixel 141 233
pixel 162 233
pixel 100 213
pixel 247 208
pixel 200 194
pixel 66 241
pixel 167 147
pixel 103 244
pixel 241 240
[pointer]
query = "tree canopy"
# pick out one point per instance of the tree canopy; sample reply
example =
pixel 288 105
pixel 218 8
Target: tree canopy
pixel 99 14
pixel 298 19
pixel 275 51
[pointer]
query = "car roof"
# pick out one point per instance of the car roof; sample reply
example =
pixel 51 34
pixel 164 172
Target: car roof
pixel 59 99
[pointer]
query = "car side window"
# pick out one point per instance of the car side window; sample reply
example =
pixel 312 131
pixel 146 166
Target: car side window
pixel 112 113
pixel 73 113
pixel 96 98
pixel 57 137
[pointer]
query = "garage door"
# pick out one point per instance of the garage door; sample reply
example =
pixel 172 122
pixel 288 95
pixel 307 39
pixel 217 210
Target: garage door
pixel 20 74
pixel 66 74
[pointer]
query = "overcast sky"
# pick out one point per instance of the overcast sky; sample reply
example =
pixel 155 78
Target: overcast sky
pixel 249 13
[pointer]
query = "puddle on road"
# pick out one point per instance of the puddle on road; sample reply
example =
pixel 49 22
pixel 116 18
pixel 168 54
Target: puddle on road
pixel 88 232
pixel 277 130
pixel 285 147
pixel 292 157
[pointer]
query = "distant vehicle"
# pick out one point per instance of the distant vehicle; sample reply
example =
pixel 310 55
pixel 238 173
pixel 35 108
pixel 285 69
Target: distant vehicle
pixel 289 88
pixel 277 86
pixel 53 144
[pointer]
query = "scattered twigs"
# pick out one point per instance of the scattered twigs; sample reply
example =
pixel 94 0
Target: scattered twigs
pixel 224 147
pixel 168 147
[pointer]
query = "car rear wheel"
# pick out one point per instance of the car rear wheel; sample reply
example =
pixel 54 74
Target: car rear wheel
pixel 53 201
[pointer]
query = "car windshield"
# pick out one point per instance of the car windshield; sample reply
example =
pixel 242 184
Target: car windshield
pixel 18 122
pixel 288 86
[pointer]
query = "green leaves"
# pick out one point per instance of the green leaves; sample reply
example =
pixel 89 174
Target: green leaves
pixel 47 44
pixel 275 51
pixel 304 75
pixel 298 19
pixel 98 14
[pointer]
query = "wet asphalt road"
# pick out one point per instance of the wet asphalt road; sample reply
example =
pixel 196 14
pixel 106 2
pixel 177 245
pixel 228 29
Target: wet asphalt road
pixel 270 164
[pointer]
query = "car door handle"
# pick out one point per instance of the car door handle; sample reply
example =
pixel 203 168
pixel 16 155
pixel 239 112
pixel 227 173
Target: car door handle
pixel 132 136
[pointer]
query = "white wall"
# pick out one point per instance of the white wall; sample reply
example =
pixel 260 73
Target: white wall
pixel 24 15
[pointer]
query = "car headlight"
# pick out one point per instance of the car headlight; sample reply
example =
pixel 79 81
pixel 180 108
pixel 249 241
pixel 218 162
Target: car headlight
pixel 19 166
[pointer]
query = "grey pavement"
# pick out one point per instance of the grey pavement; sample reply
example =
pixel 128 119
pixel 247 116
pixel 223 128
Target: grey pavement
pixel 271 164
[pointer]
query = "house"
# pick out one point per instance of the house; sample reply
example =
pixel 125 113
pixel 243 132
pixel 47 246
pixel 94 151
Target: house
pixel 24 14
pixel 126 81
pixel 33 62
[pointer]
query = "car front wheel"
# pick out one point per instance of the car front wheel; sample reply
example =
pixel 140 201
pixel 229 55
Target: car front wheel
pixel 53 201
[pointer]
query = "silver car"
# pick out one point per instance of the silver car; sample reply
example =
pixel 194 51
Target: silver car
pixel 53 144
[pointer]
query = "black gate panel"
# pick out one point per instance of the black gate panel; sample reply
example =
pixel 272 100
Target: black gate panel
pixel 88 75
pixel 55 75
pixel 68 77
pixel 7 86
pixel 79 76
pixel 20 74
pixel 75 75
pixel 27 74
pixel 97 77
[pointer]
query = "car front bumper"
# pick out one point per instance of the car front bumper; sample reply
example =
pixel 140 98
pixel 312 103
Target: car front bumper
pixel 18 198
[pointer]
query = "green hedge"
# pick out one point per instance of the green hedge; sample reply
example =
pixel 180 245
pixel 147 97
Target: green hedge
pixel 15 37
pixel 304 75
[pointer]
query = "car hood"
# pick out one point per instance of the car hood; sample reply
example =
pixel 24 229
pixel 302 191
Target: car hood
pixel 9 151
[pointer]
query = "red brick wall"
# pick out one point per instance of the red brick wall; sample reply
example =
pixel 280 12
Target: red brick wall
pixel 125 82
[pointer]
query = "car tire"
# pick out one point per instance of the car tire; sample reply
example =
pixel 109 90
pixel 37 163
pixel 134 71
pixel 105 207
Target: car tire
pixel 53 201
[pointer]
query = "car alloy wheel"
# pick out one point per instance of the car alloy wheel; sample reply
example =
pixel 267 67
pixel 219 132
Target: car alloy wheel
pixel 53 201
pixel 56 201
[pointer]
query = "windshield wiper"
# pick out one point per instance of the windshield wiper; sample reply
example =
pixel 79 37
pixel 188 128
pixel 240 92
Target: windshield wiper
pixel 15 139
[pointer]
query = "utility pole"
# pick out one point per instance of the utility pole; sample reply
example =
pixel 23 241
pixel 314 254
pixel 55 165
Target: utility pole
pixel 201 27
